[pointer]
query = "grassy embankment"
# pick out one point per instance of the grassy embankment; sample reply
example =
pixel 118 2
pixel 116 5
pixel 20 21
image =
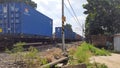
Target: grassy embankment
pixel 83 53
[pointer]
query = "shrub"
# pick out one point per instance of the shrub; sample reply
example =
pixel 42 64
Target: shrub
pixel 98 52
pixel 18 47
pixel 30 56
pixel 84 52
pixel 7 51
pixel 96 65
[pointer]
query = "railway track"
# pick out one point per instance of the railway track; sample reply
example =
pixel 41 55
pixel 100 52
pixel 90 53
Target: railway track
pixel 42 47
pixel 45 50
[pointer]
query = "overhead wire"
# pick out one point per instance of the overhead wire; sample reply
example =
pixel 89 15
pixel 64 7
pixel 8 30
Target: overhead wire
pixel 74 12
pixel 70 12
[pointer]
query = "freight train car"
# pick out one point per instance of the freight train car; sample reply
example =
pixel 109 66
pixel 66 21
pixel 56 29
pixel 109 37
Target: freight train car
pixel 79 37
pixel 69 35
pixel 21 22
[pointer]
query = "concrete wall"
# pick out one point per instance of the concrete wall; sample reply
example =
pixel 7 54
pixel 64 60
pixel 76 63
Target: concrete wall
pixel 117 42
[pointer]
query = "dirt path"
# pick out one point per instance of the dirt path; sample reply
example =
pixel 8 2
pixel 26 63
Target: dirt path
pixel 112 61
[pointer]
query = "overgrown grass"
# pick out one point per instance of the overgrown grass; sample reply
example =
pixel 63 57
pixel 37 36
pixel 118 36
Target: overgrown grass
pixel 30 58
pixel 84 52
pixel 95 51
pixel 18 47
pixel 86 47
pixel 96 65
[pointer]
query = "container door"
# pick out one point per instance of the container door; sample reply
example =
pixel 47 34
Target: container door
pixel 10 18
pixel 14 17
pixel 5 20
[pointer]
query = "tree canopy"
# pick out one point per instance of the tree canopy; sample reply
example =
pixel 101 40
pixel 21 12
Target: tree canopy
pixel 103 17
pixel 68 26
pixel 31 3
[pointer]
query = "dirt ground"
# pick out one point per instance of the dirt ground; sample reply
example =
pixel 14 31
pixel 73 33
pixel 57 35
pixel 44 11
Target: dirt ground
pixel 112 61
pixel 50 53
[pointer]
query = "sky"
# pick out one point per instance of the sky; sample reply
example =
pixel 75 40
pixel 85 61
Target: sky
pixel 52 9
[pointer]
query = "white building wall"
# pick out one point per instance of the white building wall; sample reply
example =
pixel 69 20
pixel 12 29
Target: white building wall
pixel 117 43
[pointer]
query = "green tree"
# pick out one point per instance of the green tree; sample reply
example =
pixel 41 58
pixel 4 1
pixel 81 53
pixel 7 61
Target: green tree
pixel 103 17
pixel 68 26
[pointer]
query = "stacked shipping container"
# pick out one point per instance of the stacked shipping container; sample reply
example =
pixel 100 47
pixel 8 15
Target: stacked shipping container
pixel 20 18
pixel 69 34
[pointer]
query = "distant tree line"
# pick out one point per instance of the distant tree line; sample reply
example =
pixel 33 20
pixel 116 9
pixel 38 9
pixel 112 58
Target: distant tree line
pixel 31 3
pixel 103 17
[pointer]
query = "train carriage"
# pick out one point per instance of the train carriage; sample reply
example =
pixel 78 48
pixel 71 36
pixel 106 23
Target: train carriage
pixel 19 21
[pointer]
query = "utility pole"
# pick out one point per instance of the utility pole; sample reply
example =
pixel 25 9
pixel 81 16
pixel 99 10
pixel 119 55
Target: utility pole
pixel 63 20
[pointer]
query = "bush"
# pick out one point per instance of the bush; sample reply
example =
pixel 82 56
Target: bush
pixel 98 52
pixel 30 58
pixel 84 52
pixel 7 51
pixel 18 47
pixel 32 52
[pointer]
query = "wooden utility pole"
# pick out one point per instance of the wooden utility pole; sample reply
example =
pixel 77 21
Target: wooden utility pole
pixel 63 20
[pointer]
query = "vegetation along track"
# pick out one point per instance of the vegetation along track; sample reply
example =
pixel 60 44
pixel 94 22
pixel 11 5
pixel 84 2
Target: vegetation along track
pixel 43 47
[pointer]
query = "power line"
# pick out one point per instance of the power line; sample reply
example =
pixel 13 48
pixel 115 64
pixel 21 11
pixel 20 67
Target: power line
pixel 74 12
pixel 70 13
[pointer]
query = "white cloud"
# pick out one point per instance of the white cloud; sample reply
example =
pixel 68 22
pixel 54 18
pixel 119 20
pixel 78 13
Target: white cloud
pixel 52 8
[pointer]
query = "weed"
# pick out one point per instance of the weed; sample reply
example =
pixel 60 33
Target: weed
pixel 32 52
pixel 44 61
pixel 96 65
pixel 84 52
pixel 98 52
pixel 7 51
pixel 29 59
pixel 103 66
pixel 30 56
pixel 18 47
pixel 94 50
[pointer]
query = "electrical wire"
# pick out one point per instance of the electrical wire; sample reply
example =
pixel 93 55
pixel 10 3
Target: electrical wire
pixel 74 12
pixel 70 12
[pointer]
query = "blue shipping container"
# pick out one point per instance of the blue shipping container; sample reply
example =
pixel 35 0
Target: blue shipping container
pixel 20 18
pixel 68 33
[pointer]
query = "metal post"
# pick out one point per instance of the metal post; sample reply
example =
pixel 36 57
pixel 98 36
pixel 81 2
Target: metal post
pixel 63 35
